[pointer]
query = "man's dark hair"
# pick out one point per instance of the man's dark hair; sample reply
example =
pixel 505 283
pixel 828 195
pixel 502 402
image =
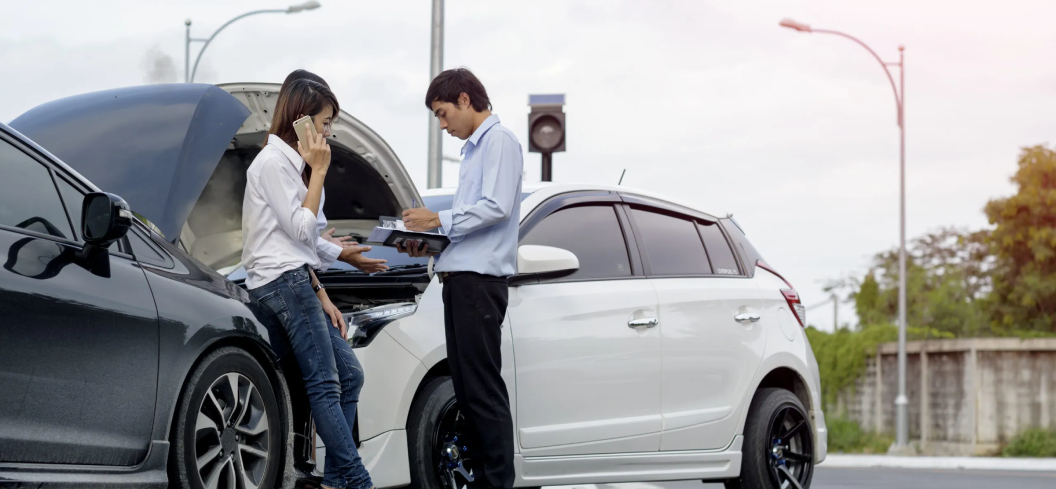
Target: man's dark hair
pixel 450 84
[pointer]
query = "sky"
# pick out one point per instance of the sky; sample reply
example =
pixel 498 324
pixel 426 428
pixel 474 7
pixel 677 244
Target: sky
pixel 709 102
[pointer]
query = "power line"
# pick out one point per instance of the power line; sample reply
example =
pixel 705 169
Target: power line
pixel 815 306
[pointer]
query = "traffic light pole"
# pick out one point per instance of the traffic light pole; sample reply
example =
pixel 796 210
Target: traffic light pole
pixel 548 167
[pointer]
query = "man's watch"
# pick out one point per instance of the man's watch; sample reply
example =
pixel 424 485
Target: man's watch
pixel 317 288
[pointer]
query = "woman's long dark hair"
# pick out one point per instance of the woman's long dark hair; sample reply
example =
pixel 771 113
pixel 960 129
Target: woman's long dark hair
pixel 301 97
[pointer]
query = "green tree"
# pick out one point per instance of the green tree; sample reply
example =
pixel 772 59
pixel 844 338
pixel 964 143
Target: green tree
pixel 947 278
pixel 867 301
pixel 1023 300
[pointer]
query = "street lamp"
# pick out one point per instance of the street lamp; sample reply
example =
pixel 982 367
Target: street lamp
pixel 188 74
pixel 901 402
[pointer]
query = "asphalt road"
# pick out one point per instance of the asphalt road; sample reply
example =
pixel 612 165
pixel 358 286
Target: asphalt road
pixel 833 478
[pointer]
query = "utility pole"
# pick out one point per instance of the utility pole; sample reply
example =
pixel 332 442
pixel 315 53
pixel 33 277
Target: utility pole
pixel 435 177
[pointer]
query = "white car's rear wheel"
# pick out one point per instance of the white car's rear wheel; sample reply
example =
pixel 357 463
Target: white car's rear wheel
pixel 778 450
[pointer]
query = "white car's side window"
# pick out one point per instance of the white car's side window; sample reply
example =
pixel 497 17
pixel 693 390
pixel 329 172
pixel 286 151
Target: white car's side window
pixel 719 252
pixel 671 245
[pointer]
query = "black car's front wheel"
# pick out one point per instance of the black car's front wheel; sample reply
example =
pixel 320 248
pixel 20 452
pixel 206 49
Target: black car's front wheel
pixel 778 450
pixel 228 426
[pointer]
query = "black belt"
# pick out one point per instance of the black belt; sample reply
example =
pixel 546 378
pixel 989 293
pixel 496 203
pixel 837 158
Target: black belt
pixel 445 276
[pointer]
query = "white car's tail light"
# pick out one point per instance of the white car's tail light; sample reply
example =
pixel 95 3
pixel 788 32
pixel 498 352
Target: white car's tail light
pixel 791 296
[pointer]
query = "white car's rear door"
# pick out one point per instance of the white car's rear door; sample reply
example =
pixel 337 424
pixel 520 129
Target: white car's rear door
pixel 711 335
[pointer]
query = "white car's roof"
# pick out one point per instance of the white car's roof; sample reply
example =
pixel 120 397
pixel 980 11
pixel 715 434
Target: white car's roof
pixel 542 191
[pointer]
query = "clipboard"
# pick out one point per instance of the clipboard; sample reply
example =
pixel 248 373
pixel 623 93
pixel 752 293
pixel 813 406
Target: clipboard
pixel 391 237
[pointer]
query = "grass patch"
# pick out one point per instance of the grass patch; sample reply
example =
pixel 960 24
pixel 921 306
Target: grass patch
pixel 845 436
pixel 1034 442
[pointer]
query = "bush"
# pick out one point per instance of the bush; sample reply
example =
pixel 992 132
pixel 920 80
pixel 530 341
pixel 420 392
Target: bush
pixel 1034 442
pixel 845 436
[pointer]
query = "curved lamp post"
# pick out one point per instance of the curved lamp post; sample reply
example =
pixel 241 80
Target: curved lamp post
pixel 189 73
pixel 901 402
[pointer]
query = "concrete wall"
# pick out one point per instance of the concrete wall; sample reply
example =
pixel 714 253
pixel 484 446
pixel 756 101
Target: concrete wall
pixel 966 396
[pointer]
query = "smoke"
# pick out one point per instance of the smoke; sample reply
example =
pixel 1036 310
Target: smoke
pixel 158 67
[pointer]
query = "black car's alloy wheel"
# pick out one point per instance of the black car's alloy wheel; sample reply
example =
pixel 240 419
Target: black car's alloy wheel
pixel 778 449
pixel 228 431
pixel 231 434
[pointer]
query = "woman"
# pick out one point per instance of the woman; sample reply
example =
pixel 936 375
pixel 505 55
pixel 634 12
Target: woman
pixel 279 252
pixel 328 248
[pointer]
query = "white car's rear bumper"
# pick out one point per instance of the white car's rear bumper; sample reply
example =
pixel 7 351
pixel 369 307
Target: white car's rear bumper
pixel 821 437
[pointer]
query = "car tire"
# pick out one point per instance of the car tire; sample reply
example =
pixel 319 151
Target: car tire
pixel 778 443
pixel 229 419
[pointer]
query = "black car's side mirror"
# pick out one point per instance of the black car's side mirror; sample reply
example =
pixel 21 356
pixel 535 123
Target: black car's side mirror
pixel 105 218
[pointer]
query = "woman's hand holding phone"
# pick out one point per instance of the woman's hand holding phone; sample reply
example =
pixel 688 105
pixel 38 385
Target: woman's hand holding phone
pixel 317 154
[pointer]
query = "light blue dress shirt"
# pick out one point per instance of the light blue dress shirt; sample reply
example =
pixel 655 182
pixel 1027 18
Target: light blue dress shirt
pixel 484 218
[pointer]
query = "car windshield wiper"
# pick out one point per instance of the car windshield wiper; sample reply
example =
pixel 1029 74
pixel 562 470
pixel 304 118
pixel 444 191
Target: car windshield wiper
pixel 404 269
pixel 393 270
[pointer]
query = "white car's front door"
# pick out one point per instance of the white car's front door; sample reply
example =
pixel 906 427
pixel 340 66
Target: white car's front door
pixel 710 357
pixel 586 348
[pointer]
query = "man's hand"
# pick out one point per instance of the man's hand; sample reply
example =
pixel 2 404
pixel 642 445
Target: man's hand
pixel 335 315
pixel 420 219
pixel 415 249
pixel 353 255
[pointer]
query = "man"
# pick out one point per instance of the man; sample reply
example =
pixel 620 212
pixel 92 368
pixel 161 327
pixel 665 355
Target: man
pixel 483 227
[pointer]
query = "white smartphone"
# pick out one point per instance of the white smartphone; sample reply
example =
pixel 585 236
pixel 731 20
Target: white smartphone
pixel 304 127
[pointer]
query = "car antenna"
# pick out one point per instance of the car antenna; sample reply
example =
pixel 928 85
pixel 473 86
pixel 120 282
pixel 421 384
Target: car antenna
pixel 621 177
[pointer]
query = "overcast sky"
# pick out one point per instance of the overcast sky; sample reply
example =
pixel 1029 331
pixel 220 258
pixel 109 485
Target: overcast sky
pixel 706 101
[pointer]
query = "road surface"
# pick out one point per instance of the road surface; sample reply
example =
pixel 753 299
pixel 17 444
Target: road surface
pixel 840 478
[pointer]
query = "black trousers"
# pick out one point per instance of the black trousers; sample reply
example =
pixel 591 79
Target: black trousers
pixel 474 308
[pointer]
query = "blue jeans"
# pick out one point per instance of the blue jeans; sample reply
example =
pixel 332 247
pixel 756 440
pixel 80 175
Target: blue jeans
pixel 333 376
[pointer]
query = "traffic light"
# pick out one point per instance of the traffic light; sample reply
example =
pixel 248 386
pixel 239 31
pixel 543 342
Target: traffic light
pixel 546 128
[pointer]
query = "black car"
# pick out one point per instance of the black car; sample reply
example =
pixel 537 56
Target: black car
pixel 127 357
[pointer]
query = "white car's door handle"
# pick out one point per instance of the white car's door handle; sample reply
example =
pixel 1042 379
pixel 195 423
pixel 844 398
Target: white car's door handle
pixel 748 316
pixel 646 322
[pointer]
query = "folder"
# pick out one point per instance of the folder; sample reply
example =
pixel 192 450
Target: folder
pixel 391 237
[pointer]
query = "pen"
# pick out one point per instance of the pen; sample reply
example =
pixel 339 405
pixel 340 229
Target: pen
pixel 414 203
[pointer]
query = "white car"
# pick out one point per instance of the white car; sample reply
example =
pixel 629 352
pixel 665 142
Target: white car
pixel 644 341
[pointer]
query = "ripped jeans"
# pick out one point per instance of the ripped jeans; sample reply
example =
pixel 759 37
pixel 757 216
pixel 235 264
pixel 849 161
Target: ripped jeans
pixel 333 376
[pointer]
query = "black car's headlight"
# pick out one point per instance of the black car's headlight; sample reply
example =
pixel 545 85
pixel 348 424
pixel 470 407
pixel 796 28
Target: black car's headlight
pixel 366 324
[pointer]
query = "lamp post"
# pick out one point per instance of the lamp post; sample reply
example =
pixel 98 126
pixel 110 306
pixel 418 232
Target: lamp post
pixel 901 402
pixel 435 170
pixel 188 74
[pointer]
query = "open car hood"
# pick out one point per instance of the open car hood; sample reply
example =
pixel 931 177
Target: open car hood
pixel 155 146
pixel 179 153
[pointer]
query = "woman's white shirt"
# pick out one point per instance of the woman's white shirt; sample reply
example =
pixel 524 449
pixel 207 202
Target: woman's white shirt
pixel 278 233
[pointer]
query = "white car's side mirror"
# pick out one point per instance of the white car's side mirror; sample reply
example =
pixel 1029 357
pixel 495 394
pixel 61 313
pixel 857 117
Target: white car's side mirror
pixel 543 262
